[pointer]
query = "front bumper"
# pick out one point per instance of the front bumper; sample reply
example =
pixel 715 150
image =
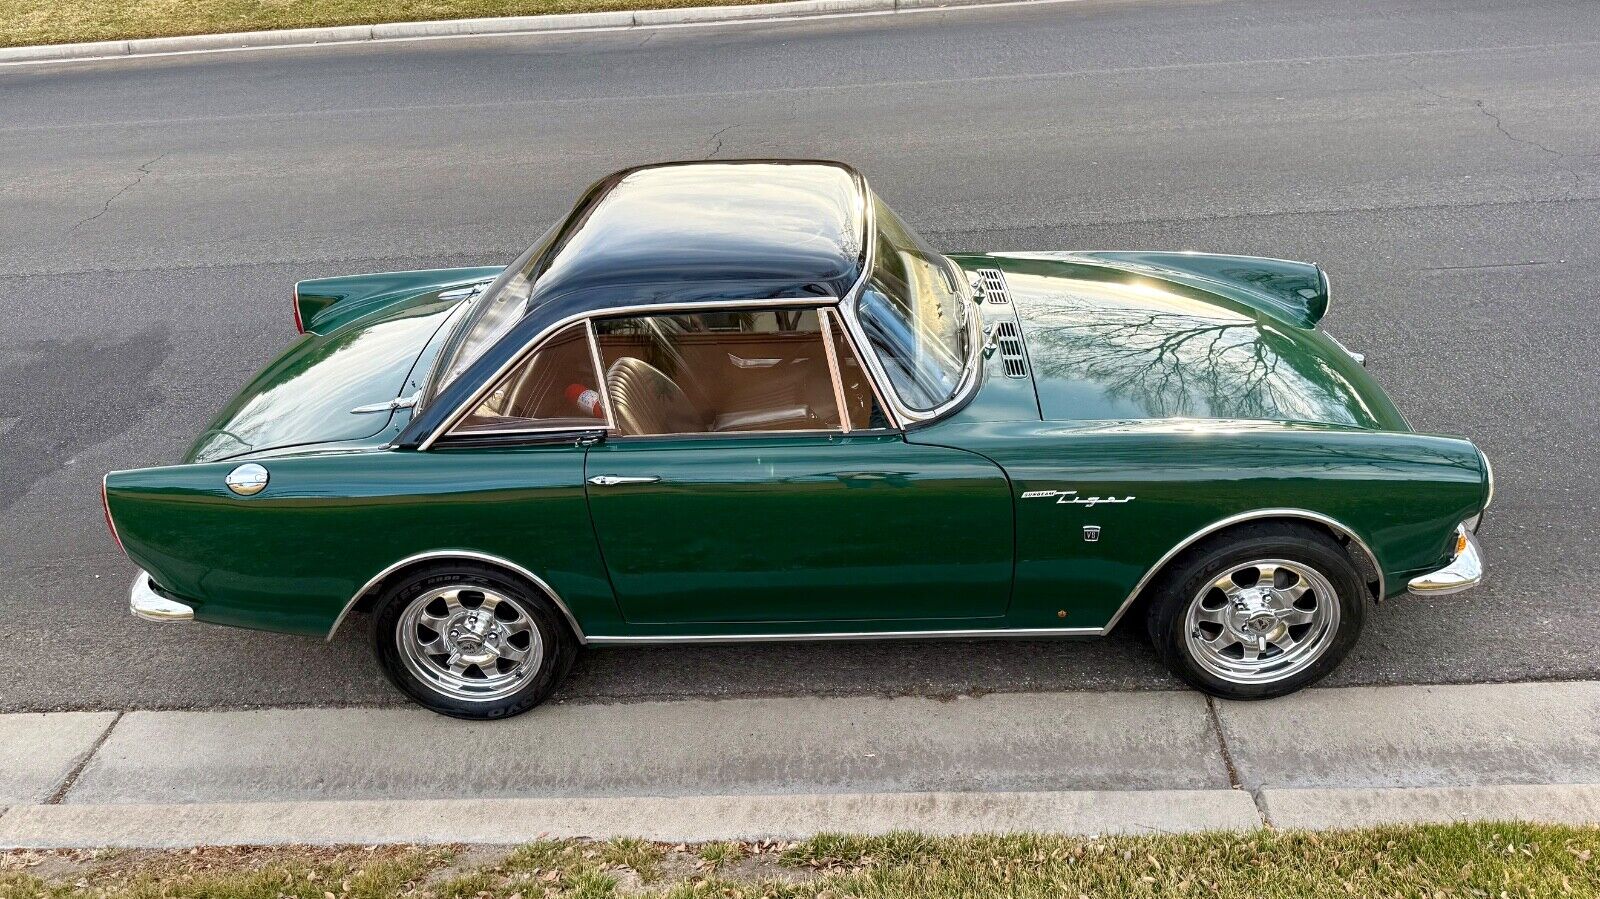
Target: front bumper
pixel 1463 573
pixel 144 602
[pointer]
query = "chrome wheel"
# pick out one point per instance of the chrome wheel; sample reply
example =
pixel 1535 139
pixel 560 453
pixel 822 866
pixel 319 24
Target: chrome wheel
pixel 1262 621
pixel 469 642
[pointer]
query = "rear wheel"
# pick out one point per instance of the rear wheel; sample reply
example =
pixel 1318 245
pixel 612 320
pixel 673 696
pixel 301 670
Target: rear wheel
pixel 1258 612
pixel 471 642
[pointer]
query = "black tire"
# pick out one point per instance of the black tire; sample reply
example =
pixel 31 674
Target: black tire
pixel 526 688
pixel 1180 585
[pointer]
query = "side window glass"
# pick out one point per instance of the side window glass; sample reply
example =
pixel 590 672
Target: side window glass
pixel 718 372
pixel 556 388
pixel 860 400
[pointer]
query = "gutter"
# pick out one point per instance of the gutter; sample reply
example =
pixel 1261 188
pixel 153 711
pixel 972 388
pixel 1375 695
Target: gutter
pixel 567 23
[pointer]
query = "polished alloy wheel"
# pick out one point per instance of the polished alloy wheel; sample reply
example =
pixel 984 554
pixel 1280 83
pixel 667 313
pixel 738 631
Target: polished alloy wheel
pixel 1262 621
pixel 469 642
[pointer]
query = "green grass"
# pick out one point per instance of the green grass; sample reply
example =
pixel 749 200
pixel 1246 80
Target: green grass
pixel 1477 861
pixel 719 855
pixel 27 22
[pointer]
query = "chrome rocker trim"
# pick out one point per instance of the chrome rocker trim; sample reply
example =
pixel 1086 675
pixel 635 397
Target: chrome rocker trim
pixel 839 636
pixel 144 602
pixel 1463 573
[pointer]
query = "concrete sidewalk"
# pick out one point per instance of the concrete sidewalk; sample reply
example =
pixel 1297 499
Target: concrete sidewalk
pixel 697 770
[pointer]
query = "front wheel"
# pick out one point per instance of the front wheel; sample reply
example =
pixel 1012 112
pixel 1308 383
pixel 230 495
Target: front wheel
pixel 471 642
pixel 1260 612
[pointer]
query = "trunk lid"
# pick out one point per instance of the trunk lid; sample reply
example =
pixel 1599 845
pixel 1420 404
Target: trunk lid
pixel 307 394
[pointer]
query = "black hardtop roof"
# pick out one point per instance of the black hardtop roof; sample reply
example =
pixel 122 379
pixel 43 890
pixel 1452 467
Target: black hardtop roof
pixel 677 233
pixel 707 231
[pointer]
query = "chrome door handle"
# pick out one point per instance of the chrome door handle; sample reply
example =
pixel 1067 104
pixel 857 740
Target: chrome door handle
pixel 611 480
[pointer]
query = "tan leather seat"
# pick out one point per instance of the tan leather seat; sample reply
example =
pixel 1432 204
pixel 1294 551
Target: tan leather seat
pixel 647 401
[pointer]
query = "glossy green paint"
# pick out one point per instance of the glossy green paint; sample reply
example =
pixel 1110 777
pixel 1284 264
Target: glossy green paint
pixel 805 528
pixel 1150 485
pixel 1110 342
pixel 1124 419
pixel 292 556
pixel 366 351
pixel 1295 292
pixel 357 295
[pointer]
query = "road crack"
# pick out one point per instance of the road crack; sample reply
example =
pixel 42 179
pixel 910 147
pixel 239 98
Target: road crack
pixel 1558 159
pixel 143 172
pixel 716 139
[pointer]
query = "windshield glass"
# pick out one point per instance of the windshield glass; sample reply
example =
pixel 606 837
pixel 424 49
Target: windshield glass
pixel 914 314
pixel 489 316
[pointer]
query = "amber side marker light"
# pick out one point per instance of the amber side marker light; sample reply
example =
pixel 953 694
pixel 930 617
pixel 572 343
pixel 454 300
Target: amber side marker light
pixel 1461 542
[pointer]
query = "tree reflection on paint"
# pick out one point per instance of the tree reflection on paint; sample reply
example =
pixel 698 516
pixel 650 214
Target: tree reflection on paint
pixel 1173 357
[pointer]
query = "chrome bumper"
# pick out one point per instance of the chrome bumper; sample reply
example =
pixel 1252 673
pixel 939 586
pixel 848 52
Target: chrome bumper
pixel 144 602
pixel 1463 573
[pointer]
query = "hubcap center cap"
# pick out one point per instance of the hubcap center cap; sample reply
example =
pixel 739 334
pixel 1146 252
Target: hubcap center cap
pixel 1254 612
pixel 473 633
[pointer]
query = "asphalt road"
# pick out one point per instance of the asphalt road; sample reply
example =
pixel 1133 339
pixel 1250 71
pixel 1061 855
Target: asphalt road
pixel 1440 159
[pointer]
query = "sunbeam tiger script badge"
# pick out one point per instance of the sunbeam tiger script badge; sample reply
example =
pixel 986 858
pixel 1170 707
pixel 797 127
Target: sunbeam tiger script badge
pixel 1071 497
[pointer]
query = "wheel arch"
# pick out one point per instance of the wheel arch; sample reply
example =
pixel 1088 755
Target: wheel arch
pixel 1364 558
pixel 433 558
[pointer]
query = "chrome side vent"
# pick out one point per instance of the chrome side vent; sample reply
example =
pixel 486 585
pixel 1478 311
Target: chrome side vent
pixel 994 286
pixel 1009 340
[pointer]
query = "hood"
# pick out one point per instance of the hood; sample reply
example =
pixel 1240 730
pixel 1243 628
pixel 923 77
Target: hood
pixel 1110 341
pixel 306 395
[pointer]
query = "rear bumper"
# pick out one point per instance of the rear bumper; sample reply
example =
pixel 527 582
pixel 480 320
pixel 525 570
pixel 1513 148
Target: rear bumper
pixel 1463 573
pixel 144 602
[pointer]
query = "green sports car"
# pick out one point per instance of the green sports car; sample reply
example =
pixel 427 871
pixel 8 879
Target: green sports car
pixel 740 401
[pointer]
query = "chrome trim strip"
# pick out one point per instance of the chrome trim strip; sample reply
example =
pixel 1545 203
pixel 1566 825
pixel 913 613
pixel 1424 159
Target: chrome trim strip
pixel 469 555
pixel 1237 519
pixel 904 415
pixel 144 602
pixel 876 372
pixel 600 375
pixel 502 432
pixel 1464 572
pixel 1024 632
pixel 877 394
pixel 483 389
pixel 833 369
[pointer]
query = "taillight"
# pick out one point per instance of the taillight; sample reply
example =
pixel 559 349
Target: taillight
pixel 299 326
pixel 105 506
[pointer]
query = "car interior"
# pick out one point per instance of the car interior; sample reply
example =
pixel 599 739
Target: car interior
pixel 702 373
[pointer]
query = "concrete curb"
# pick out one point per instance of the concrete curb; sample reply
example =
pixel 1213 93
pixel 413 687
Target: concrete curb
pixel 1338 808
pixel 706 818
pixel 392 31
pixel 675 819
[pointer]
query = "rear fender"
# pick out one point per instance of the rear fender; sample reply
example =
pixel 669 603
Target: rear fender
pixel 323 304
pixel 1292 292
pixel 293 556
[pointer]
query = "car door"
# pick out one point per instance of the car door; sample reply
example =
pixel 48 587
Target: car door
pixel 732 490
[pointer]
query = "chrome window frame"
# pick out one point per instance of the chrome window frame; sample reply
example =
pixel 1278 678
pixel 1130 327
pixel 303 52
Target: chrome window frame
pixel 505 372
pixel 971 374
pixel 872 380
pixel 823 321
pixel 823 304
pixel 901 417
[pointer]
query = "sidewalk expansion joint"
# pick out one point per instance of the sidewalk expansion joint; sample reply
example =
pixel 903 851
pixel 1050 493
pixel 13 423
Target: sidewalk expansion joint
pixel 1227 761
pixel 82 763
